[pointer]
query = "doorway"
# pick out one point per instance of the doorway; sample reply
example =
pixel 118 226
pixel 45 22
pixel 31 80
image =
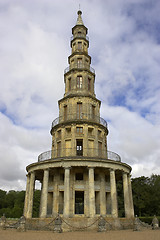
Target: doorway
pixel 61 202
pixel 79 202
pixel 79 147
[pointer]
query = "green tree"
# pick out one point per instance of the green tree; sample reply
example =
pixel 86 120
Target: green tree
pixel 141 191
pixel 2 198
pixel 36 203
pixel 120 198
pixel 146 195
pixel 154 205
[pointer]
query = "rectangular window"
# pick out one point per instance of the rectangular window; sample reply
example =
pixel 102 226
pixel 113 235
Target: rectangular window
pixel 99 149
pixel 99 133
pixel 68 130
pixel 79 176
pixel 90 131
pixel 79 130
pixel 61 202
pixel 79 62
pixel 65 112
pixel 79 147
pixel 79 110
pixel 89 84
pixel 79 82
pixel 69 84
pixel 59 134
pixel 96 177
pixel 62 177
pixel 58 149
pixel 97 202
pixel 93 112
pixel 79 202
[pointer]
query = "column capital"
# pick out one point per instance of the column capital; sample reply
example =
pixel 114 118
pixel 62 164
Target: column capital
pixel 46 169
pixel 67 168
pixel 32 172
pixel 125 173
pixel 90 167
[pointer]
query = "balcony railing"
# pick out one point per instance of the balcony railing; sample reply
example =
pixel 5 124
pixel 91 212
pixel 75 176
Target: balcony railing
pixel 80 36
pixel 76 153
pixel 81 117
pixel 79 66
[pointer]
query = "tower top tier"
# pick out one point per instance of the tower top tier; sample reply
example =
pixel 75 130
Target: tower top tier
pixel 79 76
pixel 79 19
pixel 79 23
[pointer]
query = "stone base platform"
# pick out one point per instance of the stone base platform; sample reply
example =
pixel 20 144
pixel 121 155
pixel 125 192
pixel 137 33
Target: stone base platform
pixel 80 223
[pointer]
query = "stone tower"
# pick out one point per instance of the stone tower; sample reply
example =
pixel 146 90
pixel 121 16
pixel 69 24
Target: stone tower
pixel 79 174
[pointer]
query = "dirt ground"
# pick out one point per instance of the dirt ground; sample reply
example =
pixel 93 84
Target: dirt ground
pixel 110 235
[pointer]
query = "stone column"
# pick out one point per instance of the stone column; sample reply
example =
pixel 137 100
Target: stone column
pixel 86 193
pixel 55 195
pixel 103 195
pixel 44 194
pixel 91 192
pixel 66 211
pixel 31 194
pixel 130 196
pixel 114 204
pixel 26 196
pixel 126 195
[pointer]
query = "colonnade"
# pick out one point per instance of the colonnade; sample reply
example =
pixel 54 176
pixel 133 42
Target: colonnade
pixel 127 189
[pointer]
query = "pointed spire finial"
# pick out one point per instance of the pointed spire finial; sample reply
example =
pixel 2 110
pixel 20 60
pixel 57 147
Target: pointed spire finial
pixel 79 19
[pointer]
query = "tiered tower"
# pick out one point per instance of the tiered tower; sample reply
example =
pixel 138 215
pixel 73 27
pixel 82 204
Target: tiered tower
pixel 79 174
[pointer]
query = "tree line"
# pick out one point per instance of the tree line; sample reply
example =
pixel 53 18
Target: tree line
pixel 12 203
pixel 146 198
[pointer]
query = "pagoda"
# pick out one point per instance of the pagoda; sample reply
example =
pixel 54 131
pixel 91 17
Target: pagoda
pixel 79 174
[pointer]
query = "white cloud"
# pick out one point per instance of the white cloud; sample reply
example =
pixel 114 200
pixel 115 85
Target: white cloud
pixel 136 139
pixel 34 47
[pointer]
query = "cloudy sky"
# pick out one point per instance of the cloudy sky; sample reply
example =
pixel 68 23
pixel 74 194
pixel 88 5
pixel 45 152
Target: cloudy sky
pixel 34 47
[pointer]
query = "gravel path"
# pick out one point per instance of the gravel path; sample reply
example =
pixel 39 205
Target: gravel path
pixel 111 235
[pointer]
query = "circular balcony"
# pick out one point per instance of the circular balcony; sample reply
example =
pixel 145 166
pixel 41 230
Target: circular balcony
pixel 79 153
pixel 80 118
pixel 80 36
pixel 79 67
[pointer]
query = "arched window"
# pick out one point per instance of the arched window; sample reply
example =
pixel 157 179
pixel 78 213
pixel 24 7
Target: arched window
pixel 79 82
